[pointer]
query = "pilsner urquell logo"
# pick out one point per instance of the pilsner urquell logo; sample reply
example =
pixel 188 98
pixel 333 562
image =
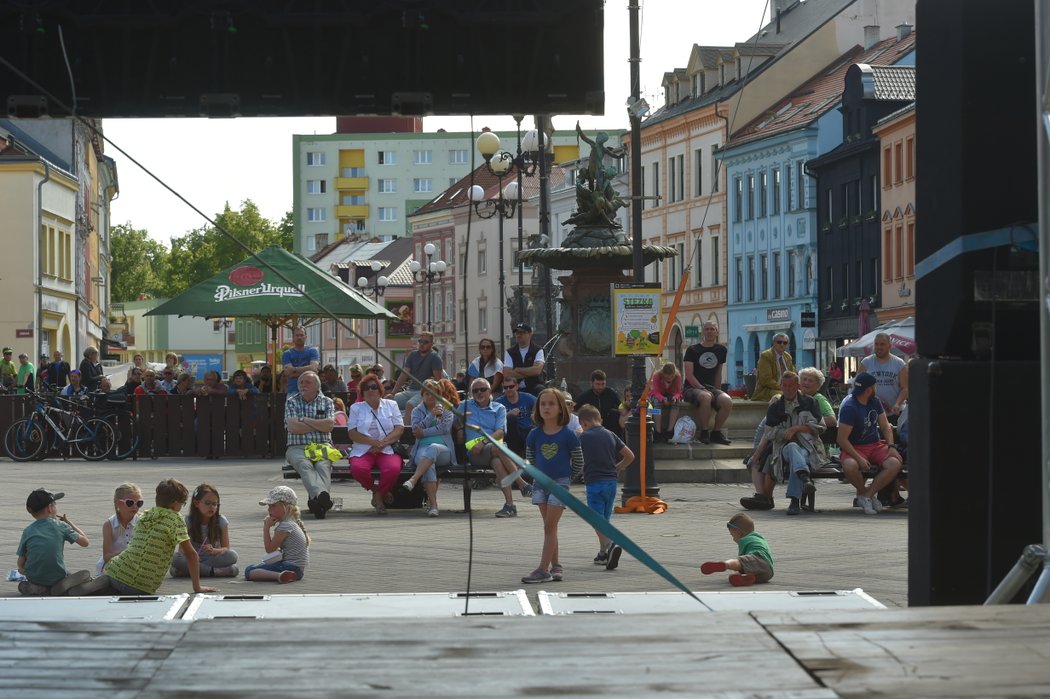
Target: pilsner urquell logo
pixel 249 279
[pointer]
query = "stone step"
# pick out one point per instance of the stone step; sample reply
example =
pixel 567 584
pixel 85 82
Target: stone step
pixel 701 471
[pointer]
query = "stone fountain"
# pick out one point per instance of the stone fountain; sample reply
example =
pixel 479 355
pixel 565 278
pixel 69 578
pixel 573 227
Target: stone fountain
pixel 596 252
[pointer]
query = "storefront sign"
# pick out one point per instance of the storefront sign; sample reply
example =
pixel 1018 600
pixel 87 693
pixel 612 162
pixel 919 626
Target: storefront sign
pixel 777 314
pixel 692 332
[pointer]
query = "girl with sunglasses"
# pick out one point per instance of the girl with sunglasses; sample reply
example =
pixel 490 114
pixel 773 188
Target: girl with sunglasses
pixel 487 364
pixel 116 531
pixel 209 532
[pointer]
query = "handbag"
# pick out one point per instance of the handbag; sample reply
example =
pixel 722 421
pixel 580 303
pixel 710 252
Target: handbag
pixel 399 448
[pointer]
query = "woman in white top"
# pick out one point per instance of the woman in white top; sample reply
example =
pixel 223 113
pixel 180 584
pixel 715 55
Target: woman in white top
pixel 487 365
pixel 374 424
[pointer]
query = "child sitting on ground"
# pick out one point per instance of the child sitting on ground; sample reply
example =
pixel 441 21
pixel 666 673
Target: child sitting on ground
pixel 140 568
pixel 754 562
pixel 604 456
pixel 288 546
pixel 117 530
pixel 40 554
pixel 209 532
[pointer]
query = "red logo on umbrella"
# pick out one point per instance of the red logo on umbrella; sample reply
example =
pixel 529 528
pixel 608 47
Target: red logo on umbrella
pixel 246 276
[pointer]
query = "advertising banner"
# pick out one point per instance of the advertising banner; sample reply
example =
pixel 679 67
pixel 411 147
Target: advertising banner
pixel 636 319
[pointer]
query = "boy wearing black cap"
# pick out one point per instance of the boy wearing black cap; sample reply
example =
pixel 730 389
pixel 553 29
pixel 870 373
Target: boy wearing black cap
pixel 40 553
pixel 865 438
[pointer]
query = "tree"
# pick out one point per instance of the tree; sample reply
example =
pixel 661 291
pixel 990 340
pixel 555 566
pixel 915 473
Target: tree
pixel 139 265
pixel 204 252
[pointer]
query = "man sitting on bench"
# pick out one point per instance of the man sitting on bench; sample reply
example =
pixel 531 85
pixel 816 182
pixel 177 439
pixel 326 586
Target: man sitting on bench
pixel 792 433
pixel 865 437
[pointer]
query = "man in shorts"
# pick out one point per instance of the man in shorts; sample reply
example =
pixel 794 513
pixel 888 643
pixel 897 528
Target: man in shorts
pixel 702 372
pixel 483 412
pixel 865 438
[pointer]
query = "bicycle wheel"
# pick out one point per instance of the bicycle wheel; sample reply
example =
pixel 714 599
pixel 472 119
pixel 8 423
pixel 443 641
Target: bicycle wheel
pixel 95 439
pixel 24 440
pixel 126 428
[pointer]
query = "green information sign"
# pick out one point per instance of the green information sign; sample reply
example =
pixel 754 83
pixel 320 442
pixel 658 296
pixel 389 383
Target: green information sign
pixel 692 331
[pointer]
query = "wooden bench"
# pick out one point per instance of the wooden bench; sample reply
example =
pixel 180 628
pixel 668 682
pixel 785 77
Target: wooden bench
pixel 834 471
pixel 405 499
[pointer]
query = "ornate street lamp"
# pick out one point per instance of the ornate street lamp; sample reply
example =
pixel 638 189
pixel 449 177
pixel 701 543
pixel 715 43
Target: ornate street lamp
pixel 435 269
pixel 375 291
pixel 498 162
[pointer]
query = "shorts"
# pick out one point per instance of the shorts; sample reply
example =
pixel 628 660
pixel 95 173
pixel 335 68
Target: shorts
pixel 485 459
pixel 692 395
pixel 875 453
pixel 601 497
pixel 542 496
pixel 757 566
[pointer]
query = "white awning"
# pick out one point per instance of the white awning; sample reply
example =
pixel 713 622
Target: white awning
pixel 764 327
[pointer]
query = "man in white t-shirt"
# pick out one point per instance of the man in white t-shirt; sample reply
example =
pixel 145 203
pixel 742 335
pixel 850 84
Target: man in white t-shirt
pixel 891 375
pixel 524 361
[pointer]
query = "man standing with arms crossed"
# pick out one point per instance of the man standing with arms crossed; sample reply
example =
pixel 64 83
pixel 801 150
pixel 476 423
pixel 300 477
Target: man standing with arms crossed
pixel 891 373
pixel 421 364
pixel 299 359
pixel 524 361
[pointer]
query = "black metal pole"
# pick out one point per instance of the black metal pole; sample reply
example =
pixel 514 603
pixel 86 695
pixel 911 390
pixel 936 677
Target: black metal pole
pixel 521 228
pixel 545 223
pixel 632 480
pixel 502 280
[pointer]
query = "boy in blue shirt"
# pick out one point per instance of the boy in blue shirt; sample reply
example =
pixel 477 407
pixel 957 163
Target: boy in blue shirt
pixel 604 457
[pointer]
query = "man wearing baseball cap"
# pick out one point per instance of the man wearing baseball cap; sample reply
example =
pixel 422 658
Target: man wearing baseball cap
pixel 524 361
pixel 8 370
pixel 865 438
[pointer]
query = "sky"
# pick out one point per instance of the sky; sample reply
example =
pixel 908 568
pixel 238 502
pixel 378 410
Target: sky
pixel 210 162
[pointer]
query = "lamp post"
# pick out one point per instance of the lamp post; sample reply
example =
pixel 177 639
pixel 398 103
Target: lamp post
pixel 434 269
pixel 524 160
pixel 501 207
pixel 375 291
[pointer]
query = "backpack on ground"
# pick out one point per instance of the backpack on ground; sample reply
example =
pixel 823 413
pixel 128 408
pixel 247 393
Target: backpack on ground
pixel 684 430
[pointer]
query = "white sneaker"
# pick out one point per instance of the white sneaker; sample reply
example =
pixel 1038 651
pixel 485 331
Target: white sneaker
pixel 409 484
pixel 865 503
pixel 876 503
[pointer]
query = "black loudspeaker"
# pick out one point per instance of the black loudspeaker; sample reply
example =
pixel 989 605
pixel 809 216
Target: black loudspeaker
pixel 976 174
pixel 974 477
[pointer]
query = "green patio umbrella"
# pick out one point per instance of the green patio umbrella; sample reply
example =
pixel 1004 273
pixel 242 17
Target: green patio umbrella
pixel 252 289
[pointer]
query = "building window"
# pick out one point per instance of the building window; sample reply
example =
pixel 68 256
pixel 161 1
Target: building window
pixel 776 190
pixel 792 260
pixel 831 285
pixel 830 213
pixel 387 157
pixel 802 186
pixel 716 268
pixel 315 158
pixel 909 158
pixel 423 184
pixel 776 275
pixel 751 278
pixel 898 253
pixel 763 181
pixel 457 156
pixel 452 181
pixel 681 177
pixel 698 275
pixel 698 172
pixel 787 189
pixel 387 213
pixel 352 199
pixel 763 280
pixel 353 172
pixel 739 280
pixel 386 186
pixel 909 251
pixel 316 214
pixel 750 197
pixel 738 203
pixel 887 164
pixel 671 188
pixel 874 194
pixel 656 184
pixel 422 157
pixel 714 168
pixel 898 163
pixel 873 289
pixel 481 261
pixel 482 319
pixel 845 280
pixel 316 186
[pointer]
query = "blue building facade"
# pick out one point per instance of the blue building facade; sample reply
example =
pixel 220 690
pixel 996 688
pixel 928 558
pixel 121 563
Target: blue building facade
pixel 773 283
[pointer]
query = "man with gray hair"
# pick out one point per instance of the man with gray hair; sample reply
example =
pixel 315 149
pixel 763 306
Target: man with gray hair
pixel 891 375
pixel 772 364
pixel 309 417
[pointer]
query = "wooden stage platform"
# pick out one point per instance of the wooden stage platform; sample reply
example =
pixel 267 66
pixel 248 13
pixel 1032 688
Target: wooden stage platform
pixel 920 652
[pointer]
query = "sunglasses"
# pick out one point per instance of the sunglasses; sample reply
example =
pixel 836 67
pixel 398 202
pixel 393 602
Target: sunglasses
pixel 479 390
pixel 133 503
pixel 781 342
pixel 370 387
pixel 486 346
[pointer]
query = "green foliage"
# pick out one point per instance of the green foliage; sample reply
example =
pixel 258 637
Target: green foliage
pixel 139 265
pixel 142 266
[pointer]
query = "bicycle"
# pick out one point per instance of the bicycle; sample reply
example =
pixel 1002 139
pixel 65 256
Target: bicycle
pixel 114 408
pixel 46 427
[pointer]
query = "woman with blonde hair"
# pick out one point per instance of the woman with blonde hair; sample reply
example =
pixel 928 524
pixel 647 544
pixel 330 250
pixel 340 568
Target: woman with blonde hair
pixel 666 394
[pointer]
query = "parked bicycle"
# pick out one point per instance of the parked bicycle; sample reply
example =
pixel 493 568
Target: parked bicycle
pixel 54 423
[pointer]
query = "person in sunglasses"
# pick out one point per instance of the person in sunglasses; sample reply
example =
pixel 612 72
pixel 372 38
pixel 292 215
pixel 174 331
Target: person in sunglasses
pixel 772 364
pixel 117 529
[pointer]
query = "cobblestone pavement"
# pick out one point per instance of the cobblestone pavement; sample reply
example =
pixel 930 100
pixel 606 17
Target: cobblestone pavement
pixel 356 551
